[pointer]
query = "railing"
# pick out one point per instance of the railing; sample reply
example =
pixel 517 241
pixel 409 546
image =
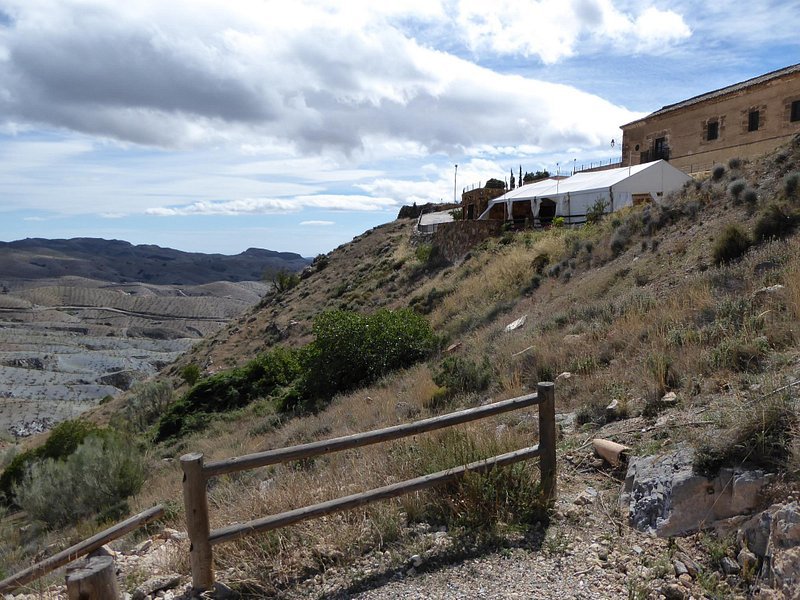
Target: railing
pixel 196 475
pixel 80 549
pixel 611 163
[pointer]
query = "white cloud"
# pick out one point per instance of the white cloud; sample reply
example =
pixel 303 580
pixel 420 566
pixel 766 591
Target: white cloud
pixel 265 206
pixel 314 77
pixel 556 29
pixel 317 223
pixel 244 206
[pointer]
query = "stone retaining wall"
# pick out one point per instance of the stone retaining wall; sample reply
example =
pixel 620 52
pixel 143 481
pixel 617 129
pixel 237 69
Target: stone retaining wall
pixel 455 239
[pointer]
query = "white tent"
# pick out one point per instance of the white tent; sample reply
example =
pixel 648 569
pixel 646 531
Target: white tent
pixel 572 197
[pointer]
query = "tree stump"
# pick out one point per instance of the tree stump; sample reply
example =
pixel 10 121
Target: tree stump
pixel 94 579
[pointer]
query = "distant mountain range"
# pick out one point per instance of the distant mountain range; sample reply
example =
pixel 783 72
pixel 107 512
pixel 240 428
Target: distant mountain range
pixel 119 261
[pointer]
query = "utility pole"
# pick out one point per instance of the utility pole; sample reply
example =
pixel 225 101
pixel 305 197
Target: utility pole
pixel 455 184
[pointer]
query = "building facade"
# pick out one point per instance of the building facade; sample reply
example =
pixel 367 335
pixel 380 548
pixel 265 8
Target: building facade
pixel 743 120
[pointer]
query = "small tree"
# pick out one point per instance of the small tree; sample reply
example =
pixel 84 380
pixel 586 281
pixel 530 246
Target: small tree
pixel 190 373
pixel 537 176
pixel 284 281
pixel 495 184
pixel 596 211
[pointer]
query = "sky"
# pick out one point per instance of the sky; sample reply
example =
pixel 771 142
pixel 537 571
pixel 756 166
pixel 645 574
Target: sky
pixel 216 126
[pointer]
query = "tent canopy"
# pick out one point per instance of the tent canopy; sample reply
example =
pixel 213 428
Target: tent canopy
pixel 616 187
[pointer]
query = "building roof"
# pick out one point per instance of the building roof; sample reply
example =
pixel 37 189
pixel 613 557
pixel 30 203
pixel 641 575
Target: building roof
pixel 722 91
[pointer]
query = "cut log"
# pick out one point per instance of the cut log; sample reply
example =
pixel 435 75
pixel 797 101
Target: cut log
pixel 95 579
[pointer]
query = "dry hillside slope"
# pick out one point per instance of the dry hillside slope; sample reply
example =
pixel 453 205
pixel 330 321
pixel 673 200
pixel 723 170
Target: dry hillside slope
pixel 698 296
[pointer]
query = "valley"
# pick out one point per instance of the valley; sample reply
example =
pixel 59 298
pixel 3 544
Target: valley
pixel 70 342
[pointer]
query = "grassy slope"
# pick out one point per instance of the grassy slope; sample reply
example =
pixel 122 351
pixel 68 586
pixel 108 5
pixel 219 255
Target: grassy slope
pixel 633 308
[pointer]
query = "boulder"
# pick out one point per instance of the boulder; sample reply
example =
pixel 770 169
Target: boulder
pixel 663 495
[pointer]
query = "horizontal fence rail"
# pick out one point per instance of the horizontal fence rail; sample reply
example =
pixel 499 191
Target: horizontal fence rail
pixel 232 532
pixel 272 457
pixel 196 475
pixel 80 549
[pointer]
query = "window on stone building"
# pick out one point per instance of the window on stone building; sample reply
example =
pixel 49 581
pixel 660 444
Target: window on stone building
pixel 712 130
pixel 795 110
pixel 752 120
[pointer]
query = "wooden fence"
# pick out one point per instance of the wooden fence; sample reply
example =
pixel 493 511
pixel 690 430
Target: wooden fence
pixel 80 549
pixel 196 475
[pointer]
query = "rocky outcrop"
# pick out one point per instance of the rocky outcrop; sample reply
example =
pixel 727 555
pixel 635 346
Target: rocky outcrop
pixel 662 494
pixel 772 538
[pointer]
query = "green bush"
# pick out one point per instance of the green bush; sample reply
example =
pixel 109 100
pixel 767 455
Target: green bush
pixel 732 243
pixel 284 281
pixel 352 349
pixel 97 477
pixel 273 374
pixel 190 373
pixel 64 439
pixel 774 222
pixel 349 350
pixel 462 375
pixel 596 211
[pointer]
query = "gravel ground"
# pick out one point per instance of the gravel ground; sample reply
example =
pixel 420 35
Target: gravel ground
pixel 586 552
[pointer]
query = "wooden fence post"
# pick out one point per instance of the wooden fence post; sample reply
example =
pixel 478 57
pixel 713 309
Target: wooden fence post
pixel 547 438
pixel 95 579
pixel 195 502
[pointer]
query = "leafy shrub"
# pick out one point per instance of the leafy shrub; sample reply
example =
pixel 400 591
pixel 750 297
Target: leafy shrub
pixel 272 374
pixel 717 172
pixel 97 477
pixel 495 184
pixel 349 350
pixel 596 211
pixel 558 222
pixel 190 373
pixel 146 404
pixel 774 222
pixel 423 252
pixel 352 349
pixel 735 188
pixel 284 281
pixel 64 439
pixel 732 243
pixel 430 256
pixel 461 375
